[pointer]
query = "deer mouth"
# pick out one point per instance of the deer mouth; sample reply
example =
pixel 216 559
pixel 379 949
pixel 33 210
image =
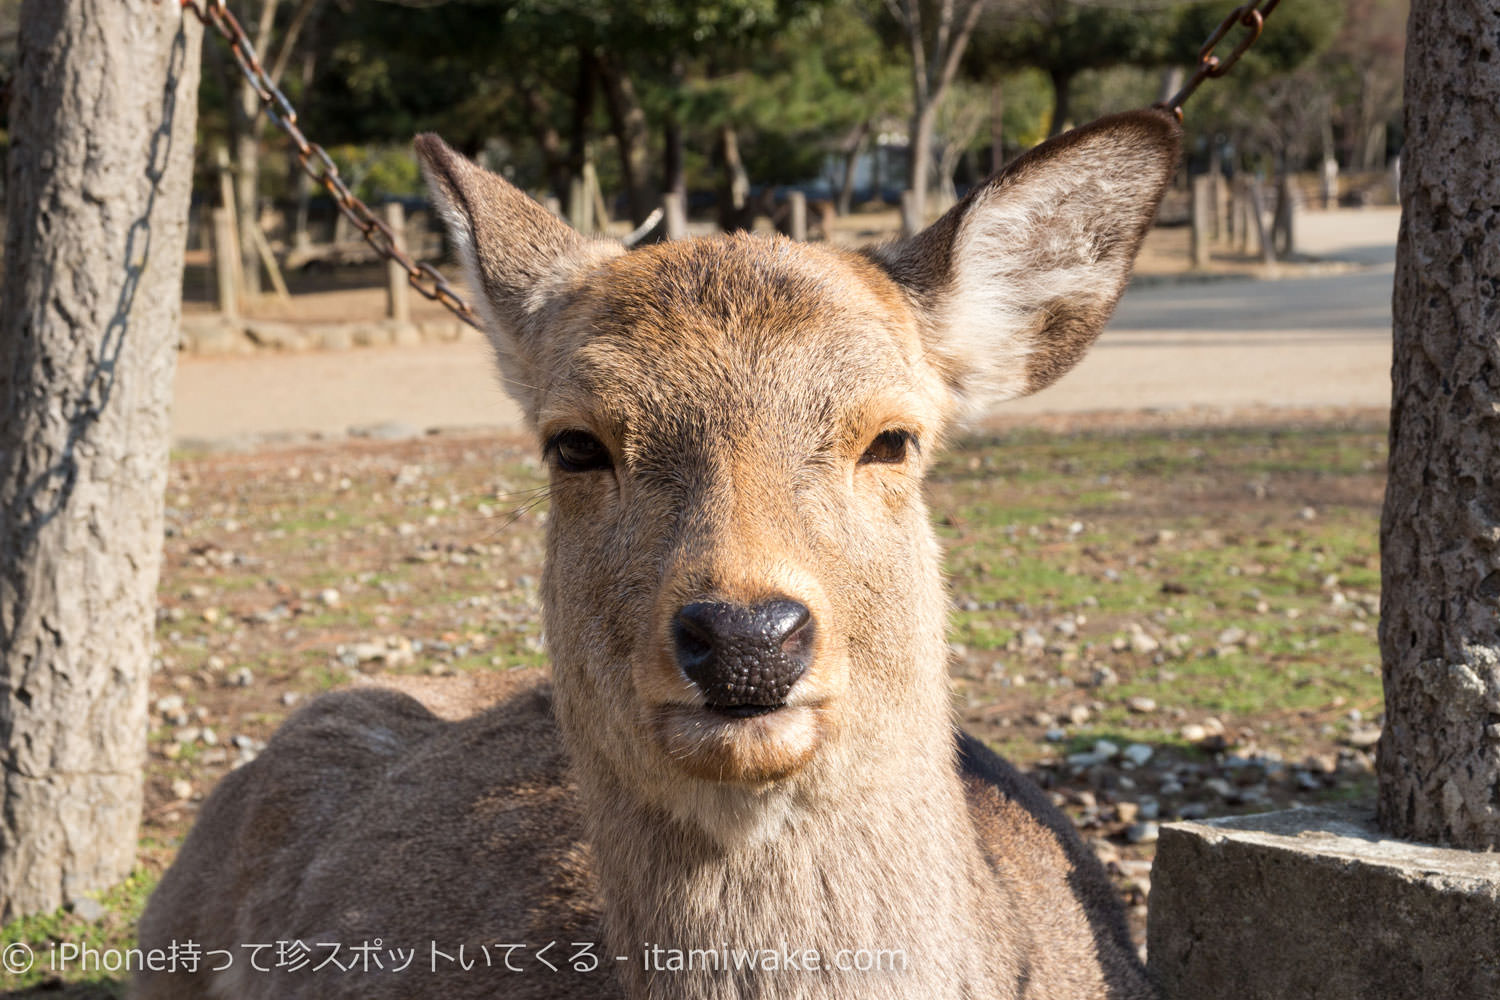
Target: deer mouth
pixel 741 743
pixel 745 711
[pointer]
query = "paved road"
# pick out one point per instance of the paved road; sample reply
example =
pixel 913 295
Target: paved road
pixel 1308 341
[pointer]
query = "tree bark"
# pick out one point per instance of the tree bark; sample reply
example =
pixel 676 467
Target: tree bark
pixel 852 147
pixel 100 173
pixel 735 208
pixel 1439 757
pixel 1062 101
pixel 632 135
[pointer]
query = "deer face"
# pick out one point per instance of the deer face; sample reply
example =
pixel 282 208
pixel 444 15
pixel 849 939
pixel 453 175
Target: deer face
pixel 742 589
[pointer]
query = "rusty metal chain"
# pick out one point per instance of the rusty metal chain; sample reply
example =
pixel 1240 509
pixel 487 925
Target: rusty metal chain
pixel 318 165
pixel 1252 17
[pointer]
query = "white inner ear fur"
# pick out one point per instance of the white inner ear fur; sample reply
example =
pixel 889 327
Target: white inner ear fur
pixel 1019 249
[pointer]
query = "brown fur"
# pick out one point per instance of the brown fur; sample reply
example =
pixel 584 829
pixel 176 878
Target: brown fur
pixel 735 384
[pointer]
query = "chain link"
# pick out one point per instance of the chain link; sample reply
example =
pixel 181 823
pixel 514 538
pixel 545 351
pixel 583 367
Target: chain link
pixel 1252 17
pixel 318 165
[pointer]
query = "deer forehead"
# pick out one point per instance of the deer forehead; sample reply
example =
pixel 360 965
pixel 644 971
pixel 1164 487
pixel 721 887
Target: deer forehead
pixel 739 334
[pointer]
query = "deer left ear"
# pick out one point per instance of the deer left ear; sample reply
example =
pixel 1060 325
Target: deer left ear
pixel 1018 279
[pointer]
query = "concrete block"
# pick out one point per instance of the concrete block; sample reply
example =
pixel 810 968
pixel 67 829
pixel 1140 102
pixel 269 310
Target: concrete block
pixel 1316 904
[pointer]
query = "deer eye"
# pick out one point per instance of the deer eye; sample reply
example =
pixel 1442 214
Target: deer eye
pixel 889 447
pixel 578 451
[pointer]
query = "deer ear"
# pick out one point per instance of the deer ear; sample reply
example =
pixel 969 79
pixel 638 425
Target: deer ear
pixel 520 260
pixel 1017 281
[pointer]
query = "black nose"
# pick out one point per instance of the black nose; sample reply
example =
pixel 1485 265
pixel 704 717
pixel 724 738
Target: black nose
pixel 743 659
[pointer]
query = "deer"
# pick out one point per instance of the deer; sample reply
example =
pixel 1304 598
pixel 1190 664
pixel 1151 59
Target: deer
pixel 741 777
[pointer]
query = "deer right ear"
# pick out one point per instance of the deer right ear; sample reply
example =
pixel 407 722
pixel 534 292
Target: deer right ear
pixel 1015 282
pixel 518 257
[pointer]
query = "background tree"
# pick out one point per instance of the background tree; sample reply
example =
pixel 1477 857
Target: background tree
pixel 1064 38
pixel 101 127
pixel 936 33
pixel 1439 756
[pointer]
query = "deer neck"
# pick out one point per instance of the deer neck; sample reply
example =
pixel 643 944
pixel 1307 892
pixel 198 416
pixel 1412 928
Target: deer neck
pixel 868 858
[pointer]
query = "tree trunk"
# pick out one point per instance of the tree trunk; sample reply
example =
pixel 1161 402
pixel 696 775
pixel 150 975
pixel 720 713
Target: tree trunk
pixel 1062 101
pixel 100 173
pixel 1439 757
pixel 852 147
pixel 919 163
pixel 997 126
pixel 736 211
pixel 674 177
pixel 539 113
pixel 632 135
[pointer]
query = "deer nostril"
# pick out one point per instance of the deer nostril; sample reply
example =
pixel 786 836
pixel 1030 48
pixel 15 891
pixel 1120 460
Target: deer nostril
pixel 742 656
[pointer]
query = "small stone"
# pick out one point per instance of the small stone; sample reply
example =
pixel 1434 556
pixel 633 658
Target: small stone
pixel 1106 750
pixel 1138 754
pixel 1104 676
pixel 1219 787
pixel 1232 636
pixel 1141 705
pixel 1193 810
pixel 1055 735
pixel 1141 641
pixel 182 789
pixel 1193 733
pixel 1126 812
pixel 212 615
pixel 209 737
pixel 1171 787
pixel 87 909
pixel 1363 738
pixel 290 698
pixel 1079 715
pixel 329 598
pixel 1150 808
pixel 1143 833
pixel 243 677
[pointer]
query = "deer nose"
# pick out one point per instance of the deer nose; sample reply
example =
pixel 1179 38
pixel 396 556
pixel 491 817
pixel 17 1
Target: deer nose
pixel 743 659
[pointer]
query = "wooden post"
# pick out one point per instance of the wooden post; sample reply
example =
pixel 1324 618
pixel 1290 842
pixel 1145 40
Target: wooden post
pixel 226 244
pixel 580 212
pixel 1221 206
pixel 1203 212
pixel 676 215
pixel 797 218
pixel 397 288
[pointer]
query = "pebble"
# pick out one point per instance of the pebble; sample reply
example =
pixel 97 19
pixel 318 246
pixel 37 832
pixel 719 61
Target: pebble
pixel 329 598
pixel 1141 641
pixel 1138 754
pixel 1143 833
pixel 1219 787
pixel 1149 808
pixel 243 677
pixel 1105 749
pixel 290 698
pixel 1126 812
pixel 1079 715
pixel 87 909
pixel 1363 738
pixel 1141 705
pixel 182 789
pixel 1055 735
pixel 1193 810
pixel 1193 733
